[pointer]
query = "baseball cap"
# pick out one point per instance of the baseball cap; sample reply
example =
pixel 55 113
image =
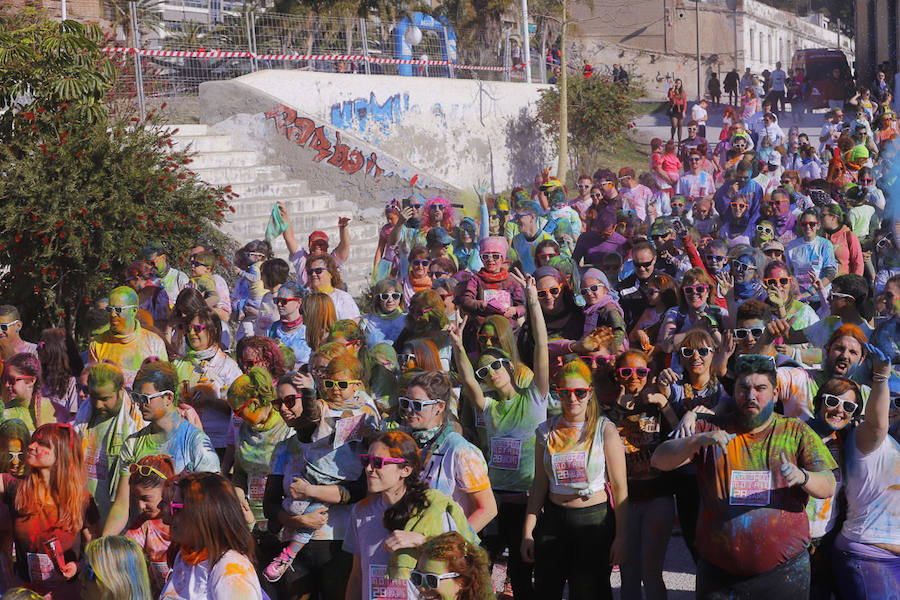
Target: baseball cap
pixel 438 235
pixel 772 245
pixel 775 158
pixel 317 236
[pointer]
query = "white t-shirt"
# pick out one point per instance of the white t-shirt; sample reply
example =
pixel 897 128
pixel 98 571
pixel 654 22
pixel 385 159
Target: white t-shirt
pixel 344 305
pixel 698 113
pixel 778 78
pixel 232 578
pixel 871 483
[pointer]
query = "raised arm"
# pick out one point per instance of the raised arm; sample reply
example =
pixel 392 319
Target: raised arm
pixel 874 429
pixel 541 360
pixel 463 366
pixel 342 251
pixel 289 238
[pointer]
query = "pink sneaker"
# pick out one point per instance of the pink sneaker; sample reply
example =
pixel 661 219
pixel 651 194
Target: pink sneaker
pixel 277 567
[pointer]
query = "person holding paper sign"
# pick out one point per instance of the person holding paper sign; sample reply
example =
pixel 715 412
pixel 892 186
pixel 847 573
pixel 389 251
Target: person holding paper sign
pixel 756 471
pixel 513 407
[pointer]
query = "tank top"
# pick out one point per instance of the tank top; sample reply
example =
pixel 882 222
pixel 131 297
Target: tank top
pixel 572 467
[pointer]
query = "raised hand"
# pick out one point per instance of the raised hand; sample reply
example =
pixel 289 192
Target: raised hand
pixel 455 329
pixel 793 474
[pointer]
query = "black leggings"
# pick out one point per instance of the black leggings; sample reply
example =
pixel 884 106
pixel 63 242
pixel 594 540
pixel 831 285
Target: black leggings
pixel 320 570
pixel 572 544
pixel 510 520
pixel 687 501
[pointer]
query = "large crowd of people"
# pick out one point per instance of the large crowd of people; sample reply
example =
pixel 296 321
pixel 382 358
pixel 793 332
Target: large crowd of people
pixel 707 347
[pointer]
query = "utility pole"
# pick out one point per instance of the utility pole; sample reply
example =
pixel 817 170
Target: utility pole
pixel 563 164
pixel 526 41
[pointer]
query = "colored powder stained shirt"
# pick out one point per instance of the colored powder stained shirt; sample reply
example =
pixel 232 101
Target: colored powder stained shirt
pixel 32 531
pixel 802 313
pixel 298 260
pixel 231 578
pixel 253 450
pixel 455 467
pixel 804 257
pixel 641 429
pixel 525 249
pixel 750 521
pixel 295 339
pixel 65 405
pixel 592 246
pixel 189 448
pixel 344 305
pixel 695 186
pixel 102 444
pixel 152 535
pixel 215 371
pixel 823 512
pixel 572 466
pixel 873 493
pixel 510 426
pixel 380 329
pixel 127 351
pixel 34 414
pixel 819 332
pixel 173 282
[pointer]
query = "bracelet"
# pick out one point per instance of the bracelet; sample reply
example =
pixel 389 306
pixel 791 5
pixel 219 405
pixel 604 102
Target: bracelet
pixel 880 377
pixel 805 481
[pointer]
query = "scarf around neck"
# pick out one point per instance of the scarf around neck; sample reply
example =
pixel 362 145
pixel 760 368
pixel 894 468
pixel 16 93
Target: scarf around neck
pixel 419 283
pixel 289 325
pixel 494 278
pixel 391 316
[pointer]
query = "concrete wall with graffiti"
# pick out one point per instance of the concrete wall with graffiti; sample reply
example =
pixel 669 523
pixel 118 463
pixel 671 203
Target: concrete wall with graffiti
pixel 329 158
pixel 464 132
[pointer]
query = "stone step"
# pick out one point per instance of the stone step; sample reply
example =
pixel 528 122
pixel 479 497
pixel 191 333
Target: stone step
pixel 235 175
pixel 188 129
pixel 234 158
pixel 274 190
pixel 204 143
pixel 262 207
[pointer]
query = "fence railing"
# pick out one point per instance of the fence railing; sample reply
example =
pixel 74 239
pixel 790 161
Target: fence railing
pixel 172 58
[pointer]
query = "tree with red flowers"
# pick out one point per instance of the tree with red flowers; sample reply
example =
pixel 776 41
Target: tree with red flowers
pixel 82 192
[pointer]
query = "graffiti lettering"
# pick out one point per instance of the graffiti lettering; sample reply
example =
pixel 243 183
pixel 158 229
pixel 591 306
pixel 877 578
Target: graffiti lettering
pixel 304 132
pixel 361 111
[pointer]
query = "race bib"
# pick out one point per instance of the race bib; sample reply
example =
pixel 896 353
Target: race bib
pixel 750 488
pixel 380 586
pixel 506 453
pixel 95 461
pixel 347 429
pixel 499 299
pixel 257 485
pixel 570 467
pixel 40 568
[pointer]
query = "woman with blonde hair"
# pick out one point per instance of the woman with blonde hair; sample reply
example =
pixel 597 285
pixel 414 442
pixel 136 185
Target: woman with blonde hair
pixel 114 568
pixel 319 316
pixel 52 512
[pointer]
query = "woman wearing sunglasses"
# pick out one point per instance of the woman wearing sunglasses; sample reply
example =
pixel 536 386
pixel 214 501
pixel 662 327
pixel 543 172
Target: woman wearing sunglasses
pixel 417 277
pixel 601 309
pixel 643 418
pixel 694 309
pixel 14 439
pixel 204 374
pixel 289 329
pixel 746 265
pixel 492 291
pixel 250 397
pixel 52 513
pixel 450 463
pixel 847 250
pixel 782 291
pixel 452 568
pixel 397 517
pixel 188 303
pixel 426 320
pixel 837 408
pixel 324 277
pixel 388 316
pixel 561 318
pixel 215 548
pixel 512 407
pixel 810 255
pixel 114 568
pixel 21 392
pixel 737 227
pixel 148 529
pixel 696 391
pixel 867 549
pixel 570 533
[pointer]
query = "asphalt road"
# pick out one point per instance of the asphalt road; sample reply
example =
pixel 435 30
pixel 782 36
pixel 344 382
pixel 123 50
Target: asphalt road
pixel 678 572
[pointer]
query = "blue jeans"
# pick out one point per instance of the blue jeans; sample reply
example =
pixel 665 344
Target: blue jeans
pixel 862 578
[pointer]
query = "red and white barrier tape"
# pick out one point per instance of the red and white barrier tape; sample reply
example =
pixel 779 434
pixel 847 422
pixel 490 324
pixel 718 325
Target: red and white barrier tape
pixel 323 57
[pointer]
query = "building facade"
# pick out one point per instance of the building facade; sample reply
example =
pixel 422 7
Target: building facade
pixel 658 38
pixel 877 33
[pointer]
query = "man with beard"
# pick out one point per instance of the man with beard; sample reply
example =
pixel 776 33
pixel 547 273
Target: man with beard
pixel 125 344
pixel 104 422
pixel 756 471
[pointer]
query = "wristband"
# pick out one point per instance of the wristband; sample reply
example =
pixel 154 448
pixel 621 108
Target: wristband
pixel 880 377
pixel 806 475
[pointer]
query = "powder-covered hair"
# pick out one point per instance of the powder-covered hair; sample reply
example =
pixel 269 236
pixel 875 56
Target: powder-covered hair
pixel 463 557
pixel 120 568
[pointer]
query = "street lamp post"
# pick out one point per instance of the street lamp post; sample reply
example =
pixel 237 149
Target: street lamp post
pixel 526 41
pixel 697 21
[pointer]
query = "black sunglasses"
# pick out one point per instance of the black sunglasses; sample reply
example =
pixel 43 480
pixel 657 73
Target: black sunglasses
pixel 288 401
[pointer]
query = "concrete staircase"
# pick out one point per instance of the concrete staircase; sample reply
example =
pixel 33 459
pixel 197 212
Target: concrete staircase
pixel 259 186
